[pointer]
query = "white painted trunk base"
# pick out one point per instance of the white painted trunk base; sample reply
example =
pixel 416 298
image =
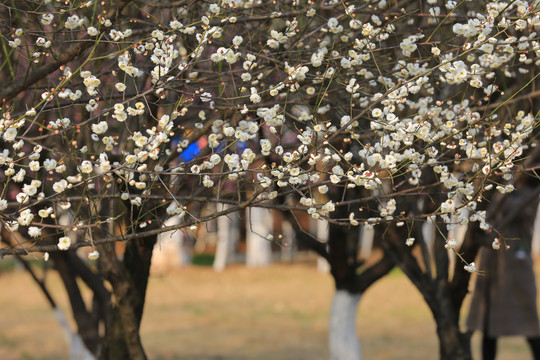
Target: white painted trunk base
pixel 366 241
pixel 228 235
pixel 321 231
pixel 536 233
pixel 258 248
pixel 343 340
pixel 168 253
pixel 77 350
pixel 288 243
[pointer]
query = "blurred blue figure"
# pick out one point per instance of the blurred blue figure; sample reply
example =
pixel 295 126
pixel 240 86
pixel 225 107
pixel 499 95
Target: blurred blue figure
pixel 194 149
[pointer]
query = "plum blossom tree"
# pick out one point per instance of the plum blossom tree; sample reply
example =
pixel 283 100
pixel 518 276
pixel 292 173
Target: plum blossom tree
pixel 120 114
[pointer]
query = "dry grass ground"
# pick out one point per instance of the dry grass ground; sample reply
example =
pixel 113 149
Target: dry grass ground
pixel 272 313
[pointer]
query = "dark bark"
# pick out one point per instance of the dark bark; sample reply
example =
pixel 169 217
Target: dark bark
pixel 120 311
pixel 350 279
pixel 5 236
pixel 345 267
pixel 453 344
pixel 129 280
pixel 137 260
pixel 437 292
pixel 101 302
pixel 86 324
pixel 468 250
pixel 394 243
pixel 373 273
pixel 307 239
pixel 343 253
pixel 70 267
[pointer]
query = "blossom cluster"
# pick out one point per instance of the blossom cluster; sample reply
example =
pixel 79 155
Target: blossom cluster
pixel 236 100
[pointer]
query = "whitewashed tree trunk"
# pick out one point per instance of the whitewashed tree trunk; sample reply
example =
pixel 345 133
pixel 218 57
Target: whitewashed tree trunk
pixel 258 248
pixel 458 234
pixel 289 235
pixel 536 234
pixel 77 350
pixel 343 340
pixel 429 231
pixel 228 234
pixel 366 241
pixel 322 235
pixel 168 253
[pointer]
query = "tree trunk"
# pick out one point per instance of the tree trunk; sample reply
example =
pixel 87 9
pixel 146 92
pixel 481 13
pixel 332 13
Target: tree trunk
pixel 228 235
pixel 343 340
pixel 114 345
pixel 453 344
pixel 342 256
pixel 321 227
pixel 168 254
pixel 77 349
pixel 85 320
pixel 289 243
pixel 258 248
pixel 129 279
pixel 367 237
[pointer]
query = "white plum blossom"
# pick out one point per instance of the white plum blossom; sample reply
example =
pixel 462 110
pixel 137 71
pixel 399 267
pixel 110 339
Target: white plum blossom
pixel 470 267
pixel 255 97
pixel 237 40
pixel 34 231
pixel 92 31
pixel 10 134
pixel 100 128
pixel 451 244
pixel 120 87
pixel 46 19
pixel 448 206
pixel 231 99
pixel 73 22
pixel 64 243
pixel 86 167
pixel 60 185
